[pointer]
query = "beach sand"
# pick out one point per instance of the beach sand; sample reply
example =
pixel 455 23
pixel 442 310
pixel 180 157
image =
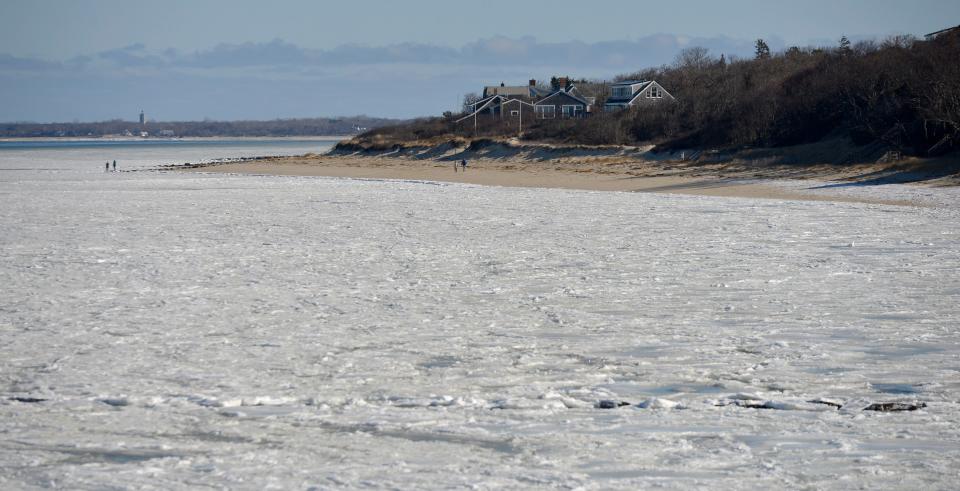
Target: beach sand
pixel 586 173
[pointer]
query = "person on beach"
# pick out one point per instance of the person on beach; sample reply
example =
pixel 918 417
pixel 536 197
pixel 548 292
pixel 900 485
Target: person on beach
pixel 106 167
pixel 463 163
pixel 114 165
pixel 454 167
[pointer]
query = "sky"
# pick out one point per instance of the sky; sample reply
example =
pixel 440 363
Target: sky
pixel 241 59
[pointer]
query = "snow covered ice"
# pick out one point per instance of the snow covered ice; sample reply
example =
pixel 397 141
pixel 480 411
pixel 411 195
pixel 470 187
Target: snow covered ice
pixel 178 331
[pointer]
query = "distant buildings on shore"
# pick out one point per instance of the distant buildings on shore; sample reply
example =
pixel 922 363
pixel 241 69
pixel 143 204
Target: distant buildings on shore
pixel 562 100
pixel 143 133
pixel 131 128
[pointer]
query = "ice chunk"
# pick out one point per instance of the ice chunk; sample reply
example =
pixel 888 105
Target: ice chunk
pixel 115 401
pixel 659 403
pixel 890 407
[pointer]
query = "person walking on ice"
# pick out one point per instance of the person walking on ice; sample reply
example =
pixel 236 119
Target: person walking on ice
pixel 106 167
pixel 114 165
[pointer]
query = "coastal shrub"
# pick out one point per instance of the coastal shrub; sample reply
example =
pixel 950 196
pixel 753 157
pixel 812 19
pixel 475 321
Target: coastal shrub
pixel 902 92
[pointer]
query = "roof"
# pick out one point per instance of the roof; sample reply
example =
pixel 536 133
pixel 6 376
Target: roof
pixel 538 92
pixel 516 90
pixel 510 101
pixel 941 31
pixel 627 82
pixel 627 100
pixel 561 93
pixel 636 95
pixel 574 91
pixel 484 103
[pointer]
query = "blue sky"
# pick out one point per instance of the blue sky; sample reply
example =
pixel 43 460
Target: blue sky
pixel 94 60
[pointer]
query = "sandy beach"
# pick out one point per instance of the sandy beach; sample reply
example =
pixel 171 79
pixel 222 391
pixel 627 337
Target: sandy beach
pixel 586 173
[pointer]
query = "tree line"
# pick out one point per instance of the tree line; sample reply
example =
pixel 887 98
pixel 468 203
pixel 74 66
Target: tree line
pixel 275 128
pixel 902 92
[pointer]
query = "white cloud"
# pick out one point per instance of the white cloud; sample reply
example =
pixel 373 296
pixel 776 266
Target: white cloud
pixel 263 80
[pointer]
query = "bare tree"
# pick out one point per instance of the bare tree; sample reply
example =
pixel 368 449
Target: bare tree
pixel 899 41
pixel 469 100
pixel 696 58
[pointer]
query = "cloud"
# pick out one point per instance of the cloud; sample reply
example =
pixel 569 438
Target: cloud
pixel 13 63
pixel 498 51
pixel 135 55
pixel 279 79
pixel 276 52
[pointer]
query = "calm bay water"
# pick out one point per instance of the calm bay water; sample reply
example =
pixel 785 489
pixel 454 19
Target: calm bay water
pixel 55 159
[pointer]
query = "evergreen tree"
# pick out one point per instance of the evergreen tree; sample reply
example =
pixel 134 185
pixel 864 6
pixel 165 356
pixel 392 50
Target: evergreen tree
pixel 844 46
pixel 763 50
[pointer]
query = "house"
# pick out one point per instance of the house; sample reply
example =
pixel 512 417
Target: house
pixel 500 107
pixel 515 109
pixel 506 101
pixel 565 102
pixel 574 91
pixel 529 91
pixel 630 93
pixel 942 32
pixel 485 104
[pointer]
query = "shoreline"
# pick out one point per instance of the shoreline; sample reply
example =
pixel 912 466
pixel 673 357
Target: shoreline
pixel 170 139
pixel 648 177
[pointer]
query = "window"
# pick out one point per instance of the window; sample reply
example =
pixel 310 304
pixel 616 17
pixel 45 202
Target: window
pixel 655 93
pixel 621 92
pixel 572 111
pixel 546 112
pixel 514 113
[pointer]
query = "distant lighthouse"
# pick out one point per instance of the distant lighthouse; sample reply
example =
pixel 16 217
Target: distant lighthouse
pixel 143 119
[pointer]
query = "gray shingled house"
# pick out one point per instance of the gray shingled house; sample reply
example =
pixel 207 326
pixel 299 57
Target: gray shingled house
pixel 500 107
pixel 565 102
pixel 515 102
pixel 942 32
pixel 630 93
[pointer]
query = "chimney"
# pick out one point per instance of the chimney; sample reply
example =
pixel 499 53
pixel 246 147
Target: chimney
pixel 563 83
pixel 501 84
pixel 533 82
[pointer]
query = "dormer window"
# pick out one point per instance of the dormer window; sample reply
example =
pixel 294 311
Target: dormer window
pixel 621 92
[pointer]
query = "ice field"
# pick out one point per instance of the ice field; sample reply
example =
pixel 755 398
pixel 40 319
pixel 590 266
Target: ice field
pixel 171 331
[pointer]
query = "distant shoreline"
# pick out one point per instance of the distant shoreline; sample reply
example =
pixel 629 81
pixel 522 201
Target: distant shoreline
pixel 175 139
